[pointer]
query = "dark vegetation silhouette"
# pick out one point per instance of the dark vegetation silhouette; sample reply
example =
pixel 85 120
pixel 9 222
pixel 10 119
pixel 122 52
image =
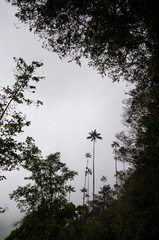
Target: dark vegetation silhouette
pixel 12 121
pixel 120 38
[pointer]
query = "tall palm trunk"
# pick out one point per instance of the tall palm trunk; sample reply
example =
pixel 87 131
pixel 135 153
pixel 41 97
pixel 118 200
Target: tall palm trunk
pixel 84 193
pixel 124 170
pixel 116 170
pixel 116 167
pixel 88 188
pixel 93 168
pixel 93 135
pixel 115 145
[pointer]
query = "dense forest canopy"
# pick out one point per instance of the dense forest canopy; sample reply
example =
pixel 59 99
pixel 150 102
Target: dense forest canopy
pixel 121 35
pixel 121 38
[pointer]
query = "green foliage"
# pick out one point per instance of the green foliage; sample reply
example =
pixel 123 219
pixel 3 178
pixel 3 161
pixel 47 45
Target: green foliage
pixel 136 211
pixel 109 218
pixel 43 199
pixel 12 121
pixel 42 225
pixel 102 200
pixel 48 182
pixel 117 35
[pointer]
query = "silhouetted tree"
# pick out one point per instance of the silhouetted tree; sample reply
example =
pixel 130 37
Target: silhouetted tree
pixel 121 36
pixel 44 197
pixel 12 121
pixel 93 135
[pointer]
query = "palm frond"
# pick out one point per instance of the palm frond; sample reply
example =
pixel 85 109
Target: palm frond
pixel 93 135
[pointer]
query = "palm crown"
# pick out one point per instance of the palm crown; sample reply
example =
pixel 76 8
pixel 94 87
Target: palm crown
pixel 88 155
pixel 93 135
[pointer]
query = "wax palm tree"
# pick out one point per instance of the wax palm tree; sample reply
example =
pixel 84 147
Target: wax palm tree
pixel 89 172
pixel 122 151
pixel 103 179
pixel 70 189
pixel 115 145
pixel 93 135
pixel 85 178
pixel 83 190
pixel 88 155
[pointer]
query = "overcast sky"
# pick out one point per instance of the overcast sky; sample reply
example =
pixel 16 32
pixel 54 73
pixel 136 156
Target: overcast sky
pixel 76 100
